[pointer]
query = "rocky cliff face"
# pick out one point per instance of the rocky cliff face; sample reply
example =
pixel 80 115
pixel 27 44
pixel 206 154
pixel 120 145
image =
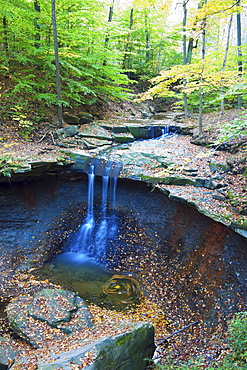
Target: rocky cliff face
pixel 191 249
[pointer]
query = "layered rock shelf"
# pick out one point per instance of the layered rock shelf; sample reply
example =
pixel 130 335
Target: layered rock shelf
pixel 186 172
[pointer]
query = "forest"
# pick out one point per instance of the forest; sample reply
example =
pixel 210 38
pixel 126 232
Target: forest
pixel 75 53
pixel 67 56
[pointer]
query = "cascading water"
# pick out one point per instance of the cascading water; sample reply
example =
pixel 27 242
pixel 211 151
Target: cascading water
pixel 84 234
pixel 95 235
pixel 156 132
pixel 151 132
pixel 165 131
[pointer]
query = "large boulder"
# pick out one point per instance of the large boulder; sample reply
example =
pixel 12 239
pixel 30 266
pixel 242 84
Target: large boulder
pixel 113 347
pixel 71 119
pixel 80 119
pixel 68 131
pixel 85 118
pixel 49 314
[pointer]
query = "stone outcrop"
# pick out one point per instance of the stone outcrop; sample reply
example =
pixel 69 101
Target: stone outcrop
pixel 49 314
pixel 58 324
pixel 128 347
pixel 80 119
pixel 97 134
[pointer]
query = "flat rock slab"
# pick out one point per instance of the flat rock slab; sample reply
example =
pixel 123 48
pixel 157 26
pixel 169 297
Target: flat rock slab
pixel 49 314
pixel 95 131
pixel 53 306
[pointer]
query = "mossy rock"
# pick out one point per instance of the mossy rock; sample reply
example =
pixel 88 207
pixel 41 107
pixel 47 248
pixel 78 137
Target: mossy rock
pixel 219 167
pixel 169 180
pixel 123 137
pixel 240 224
pixel 126 346
pixel 139 132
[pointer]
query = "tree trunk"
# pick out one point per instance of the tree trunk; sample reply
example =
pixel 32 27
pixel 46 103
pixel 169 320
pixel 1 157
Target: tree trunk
pixel 147 37
pixel 110 17
pixel 36 25
pixel 5 35
pixel 57 64
pixel 239 45
pixel 200 128
pixel 224 63
pixel 186 108
pixel 190 50
pixel 126 59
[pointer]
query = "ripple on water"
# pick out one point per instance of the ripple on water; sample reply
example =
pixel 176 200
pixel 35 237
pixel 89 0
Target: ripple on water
pixel 80 273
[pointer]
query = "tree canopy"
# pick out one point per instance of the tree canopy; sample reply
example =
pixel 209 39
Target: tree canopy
pixel 215 63
pixel 104 46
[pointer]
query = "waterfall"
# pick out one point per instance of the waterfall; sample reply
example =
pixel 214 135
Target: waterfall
pixel 84 234
pixel 113 190
pixel 151 132
pixel 165 131
pixel 156 132
pixel 94 236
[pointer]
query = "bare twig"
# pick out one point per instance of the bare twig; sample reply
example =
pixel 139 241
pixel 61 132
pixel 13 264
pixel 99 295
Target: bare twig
pixel 47 132
pixel 43 136
pixel 177 332
pixel 52 137
pixel 49 124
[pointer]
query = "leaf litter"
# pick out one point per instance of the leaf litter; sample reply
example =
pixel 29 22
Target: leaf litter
pixel 162 305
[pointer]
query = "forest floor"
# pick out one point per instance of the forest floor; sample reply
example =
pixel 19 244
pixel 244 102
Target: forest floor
pixel 40 146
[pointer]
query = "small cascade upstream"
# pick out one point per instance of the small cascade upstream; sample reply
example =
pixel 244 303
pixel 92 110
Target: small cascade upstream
pixel 157 132
pixel 165 131
pixel 95 234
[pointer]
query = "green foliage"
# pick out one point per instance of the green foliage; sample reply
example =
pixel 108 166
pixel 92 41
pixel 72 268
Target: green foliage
pixel 10 164
pixel 26 126
pixel 149 46
pixel 88 68
pixel 232 130
pixel 238 339
pixel 96 56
